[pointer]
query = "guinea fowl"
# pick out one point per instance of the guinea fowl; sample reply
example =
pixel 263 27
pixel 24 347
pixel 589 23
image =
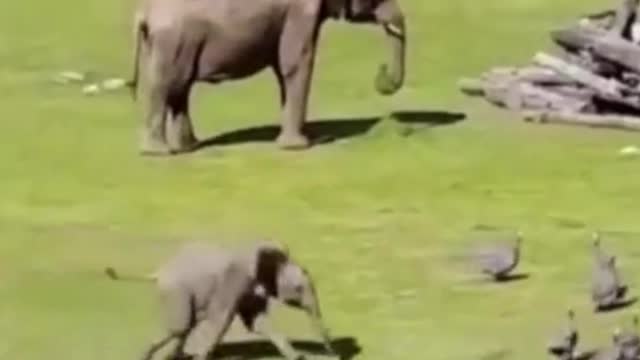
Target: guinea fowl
pixel 563 346
pixel 628 341
pixel 498 261
pixel 599 255
pixel 607 290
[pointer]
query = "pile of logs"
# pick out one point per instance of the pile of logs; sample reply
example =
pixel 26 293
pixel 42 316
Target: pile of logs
pixel 594 79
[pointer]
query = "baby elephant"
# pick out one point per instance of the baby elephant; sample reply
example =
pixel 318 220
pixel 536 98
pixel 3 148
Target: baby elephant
pixel 205 287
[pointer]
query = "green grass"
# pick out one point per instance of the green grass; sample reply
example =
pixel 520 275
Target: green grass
pixel 375 217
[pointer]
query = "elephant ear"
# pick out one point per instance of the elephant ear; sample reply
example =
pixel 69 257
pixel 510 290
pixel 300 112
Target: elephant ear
pixel 360 10
pixel 270 258
pixel 335 9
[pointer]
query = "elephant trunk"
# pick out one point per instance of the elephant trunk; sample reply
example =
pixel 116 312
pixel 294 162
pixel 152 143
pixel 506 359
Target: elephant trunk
pixel 313 308
pixel 390 76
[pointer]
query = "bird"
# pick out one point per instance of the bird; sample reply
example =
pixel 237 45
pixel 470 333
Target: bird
pixel 607 290
pixel 498 261
pixel 628 341
pixel 600 256
pixel 563 346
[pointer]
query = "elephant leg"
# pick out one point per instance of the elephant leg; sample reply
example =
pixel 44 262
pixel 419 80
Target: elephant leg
pixel 186 55
pixel 281 85
pixel 179 317
pixel 153 138
pixel 179 130
pixel 177 353
pixel 296 57
pixel 217 323
pixel 157 346
pixel 260 325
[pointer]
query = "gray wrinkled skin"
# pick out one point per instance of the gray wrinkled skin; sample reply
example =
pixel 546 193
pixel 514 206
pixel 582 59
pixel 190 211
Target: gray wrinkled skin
pixel 205 286
pixel 181 42
pixel 499 260
pixel 563 346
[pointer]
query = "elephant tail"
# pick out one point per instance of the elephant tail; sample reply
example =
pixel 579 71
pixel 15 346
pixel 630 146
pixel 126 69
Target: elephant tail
pixel 141 37
pixel 114 275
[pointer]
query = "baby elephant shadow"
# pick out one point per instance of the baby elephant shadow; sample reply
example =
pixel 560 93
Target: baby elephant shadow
pixel 346 348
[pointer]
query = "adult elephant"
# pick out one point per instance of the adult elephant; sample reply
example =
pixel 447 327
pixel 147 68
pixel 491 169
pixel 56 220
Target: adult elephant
pixel 185 41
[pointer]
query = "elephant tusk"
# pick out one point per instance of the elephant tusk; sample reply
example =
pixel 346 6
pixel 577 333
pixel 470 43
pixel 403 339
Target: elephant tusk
pixel 394 30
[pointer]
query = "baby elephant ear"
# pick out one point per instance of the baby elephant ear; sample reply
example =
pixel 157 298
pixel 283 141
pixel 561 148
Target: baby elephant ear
pixel 335 9
pixel 360 10
pixel 271 246
pixel 270 258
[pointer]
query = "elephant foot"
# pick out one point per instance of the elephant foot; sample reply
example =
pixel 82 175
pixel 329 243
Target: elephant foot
pixel 154 147
pixel 185 146
pixel 295 141
pixel 181 139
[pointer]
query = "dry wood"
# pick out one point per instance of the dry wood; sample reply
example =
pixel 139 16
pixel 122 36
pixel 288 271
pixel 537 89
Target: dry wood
pixel 534 74
pixel 471 86
pixel 588 61
pixel 609 87
pixel 577 38
pixel 520 95
pixel 598 72
pixel 493 88
pixel 602 43
pixel 608 14
pixel 524 95
pixel 497 92
pixel 577 92
pixel 624 18
pixel 609 90
pixel 589 120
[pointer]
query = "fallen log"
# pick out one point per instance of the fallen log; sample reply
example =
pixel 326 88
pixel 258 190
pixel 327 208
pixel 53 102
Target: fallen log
pixel 607 15
pixel 497 92
pixel 589 120
pixel 523 96
pixel 597 72
pixel 609 90
pixel 608 87
pixel 498 79
pixel 471 86
pixel 533 74
pixel 576 38
pixel 520 95
pixel 624 18
pixel 601 43
pixel 587 61
pixel 577 92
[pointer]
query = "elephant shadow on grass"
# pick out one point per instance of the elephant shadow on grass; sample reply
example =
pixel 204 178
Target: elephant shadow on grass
pixel 346 348
pixel 328 131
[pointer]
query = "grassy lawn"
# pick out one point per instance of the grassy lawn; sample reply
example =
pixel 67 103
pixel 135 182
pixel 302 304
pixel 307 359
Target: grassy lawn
pixel 376 217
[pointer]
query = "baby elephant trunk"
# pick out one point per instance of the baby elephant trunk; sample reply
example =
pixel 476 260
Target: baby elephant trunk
pixel 312 306
pixel 390 76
